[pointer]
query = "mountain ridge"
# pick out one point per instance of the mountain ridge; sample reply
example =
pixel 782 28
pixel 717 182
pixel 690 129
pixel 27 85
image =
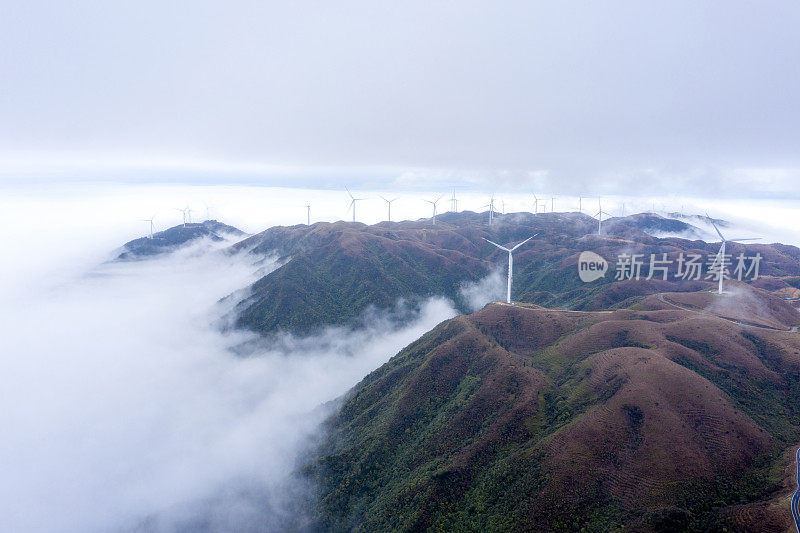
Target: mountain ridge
pixel 517 418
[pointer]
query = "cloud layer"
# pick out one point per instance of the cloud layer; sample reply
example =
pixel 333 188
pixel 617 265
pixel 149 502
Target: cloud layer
pixel 124 408
pixel 661 97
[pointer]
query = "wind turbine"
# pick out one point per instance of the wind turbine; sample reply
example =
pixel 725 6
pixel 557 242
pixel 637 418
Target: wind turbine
pixel 150 220
pixel 721 254
pixel 510 262
pixel 490 205
pixel 183 212
pixel 552 204
pixel 580 204
pixel 353 201
pixel 433 203
pixel 599 216
pixel 209 208
pixel 535 204
pixel 308 214
pixel 389 203
pixel 454 202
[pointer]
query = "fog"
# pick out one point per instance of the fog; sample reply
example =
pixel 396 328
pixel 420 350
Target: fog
pixel 491 288
pixel 124 406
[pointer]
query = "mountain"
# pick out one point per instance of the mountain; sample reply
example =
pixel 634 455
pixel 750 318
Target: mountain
pixel 662 416
pixel 654 225
pixel 170 239
pixel 331 274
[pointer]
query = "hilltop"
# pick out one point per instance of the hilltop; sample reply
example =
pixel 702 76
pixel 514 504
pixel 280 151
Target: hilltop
pixel 172 238
pixel 650 417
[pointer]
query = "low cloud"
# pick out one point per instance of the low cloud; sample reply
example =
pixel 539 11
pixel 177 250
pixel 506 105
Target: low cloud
pixel 479 293
pixel 125 409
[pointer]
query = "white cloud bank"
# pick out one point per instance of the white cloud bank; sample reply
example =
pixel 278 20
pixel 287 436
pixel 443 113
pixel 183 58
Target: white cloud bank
pixel 124 409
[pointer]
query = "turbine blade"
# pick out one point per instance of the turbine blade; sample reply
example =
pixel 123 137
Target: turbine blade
pixel 715 227
pixel 494 243
pixel 745 240
pixel 523 242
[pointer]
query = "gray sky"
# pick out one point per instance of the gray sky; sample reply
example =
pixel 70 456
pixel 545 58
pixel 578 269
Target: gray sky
pixel 616 96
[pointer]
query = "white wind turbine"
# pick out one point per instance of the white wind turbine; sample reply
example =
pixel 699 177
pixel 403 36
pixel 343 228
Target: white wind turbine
pixel 150 220
pixel 454 202
pixel 353 201
pixel 510 262
pixel 599 216
pixel 721 254
pixel 552 204
pixel 535 204
pixel 490 205
pixel 389 204
pixel 185 211
pixel 308 214
pixel 209 209
pixel 433 203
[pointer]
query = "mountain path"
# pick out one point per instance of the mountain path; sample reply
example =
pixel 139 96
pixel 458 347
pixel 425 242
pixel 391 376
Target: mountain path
pixel 663 299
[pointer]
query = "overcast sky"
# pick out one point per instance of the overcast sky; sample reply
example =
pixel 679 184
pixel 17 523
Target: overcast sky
pixel 615 96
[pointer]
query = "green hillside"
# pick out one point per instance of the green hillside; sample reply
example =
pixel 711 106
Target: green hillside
pixel 528 419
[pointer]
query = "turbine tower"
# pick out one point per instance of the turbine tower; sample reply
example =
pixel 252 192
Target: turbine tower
pixel 490 205
pixel 389 203
pixel 552 204
pixel 433 203
pixel 721 254
pixel 353 201
pixel 150 220
pixel 209 208
pixel 510 262
pixel 308 214
pixel 183 212
pixel 454 202
pixel 535 205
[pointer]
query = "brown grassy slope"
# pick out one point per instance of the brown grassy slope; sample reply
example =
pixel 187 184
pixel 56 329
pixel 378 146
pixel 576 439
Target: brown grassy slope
pixel 655 419
pixel 740 303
